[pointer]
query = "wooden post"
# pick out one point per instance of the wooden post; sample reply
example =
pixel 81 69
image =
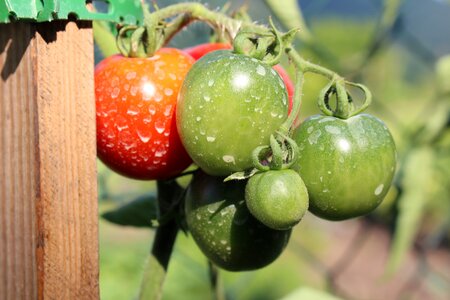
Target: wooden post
pixel 48 193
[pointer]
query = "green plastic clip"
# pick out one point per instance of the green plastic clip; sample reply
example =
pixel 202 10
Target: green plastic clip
pixel 119 11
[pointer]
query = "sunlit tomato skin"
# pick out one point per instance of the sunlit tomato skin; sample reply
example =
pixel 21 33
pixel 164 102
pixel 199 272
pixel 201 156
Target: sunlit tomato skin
pixel 229 104
pixel 277 198
pixel 199 51
pixel 136 104
pixel 225 230
pixel 347 165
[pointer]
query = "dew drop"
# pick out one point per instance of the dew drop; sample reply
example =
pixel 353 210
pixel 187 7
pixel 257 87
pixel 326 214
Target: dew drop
pixel 168 92
pixel 210 138
pixel 207 98
pixel 132 111
pixel 379 189
pixel 167 110
pixel 115 92
pixel 121 123
pixel 229 159
pixel 261 70
pixel 144 135
pixel 210 82
pixel 130 75
pixel 160 151
pixel 151 109
pixel 160 126
pixel 133 90
pixel 332 129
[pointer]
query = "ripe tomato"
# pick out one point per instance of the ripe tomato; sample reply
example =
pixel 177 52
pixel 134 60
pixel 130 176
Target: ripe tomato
pixel 224 229
pixel 277 198
pixel 135 100
pixel 229 104
pixel 199 51
pixel 347 165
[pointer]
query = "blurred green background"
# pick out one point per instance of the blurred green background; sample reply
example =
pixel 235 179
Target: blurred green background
pixel 401 51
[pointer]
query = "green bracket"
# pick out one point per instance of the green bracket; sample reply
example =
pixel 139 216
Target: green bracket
pixel 119 11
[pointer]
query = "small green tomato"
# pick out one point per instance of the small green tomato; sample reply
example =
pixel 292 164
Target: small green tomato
pixel 277 198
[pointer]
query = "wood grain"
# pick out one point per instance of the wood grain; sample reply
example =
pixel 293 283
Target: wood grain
pixel 48 205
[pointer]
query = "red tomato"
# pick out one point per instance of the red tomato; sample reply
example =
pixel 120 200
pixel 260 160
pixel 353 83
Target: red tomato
pixel 199 50
pixel 135 100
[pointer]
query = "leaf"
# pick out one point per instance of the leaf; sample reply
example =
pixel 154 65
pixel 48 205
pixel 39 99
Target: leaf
pixel 242 175
pixel 104 38
pixel 417 178
pixel 141 212
pixel 310 294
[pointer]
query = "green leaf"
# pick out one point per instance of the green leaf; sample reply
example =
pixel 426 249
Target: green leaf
pixel 104 38
pixel 141 212
pixel 310 294
pixel 416 183
pixel 242 175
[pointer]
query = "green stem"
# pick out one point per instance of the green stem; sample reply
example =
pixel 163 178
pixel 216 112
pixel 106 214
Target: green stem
pixel 197 11
pixel 306 66
pixel 216 283
pixel 156 268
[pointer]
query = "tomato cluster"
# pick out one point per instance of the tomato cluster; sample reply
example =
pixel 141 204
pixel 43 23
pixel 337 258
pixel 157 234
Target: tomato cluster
pixel 214 107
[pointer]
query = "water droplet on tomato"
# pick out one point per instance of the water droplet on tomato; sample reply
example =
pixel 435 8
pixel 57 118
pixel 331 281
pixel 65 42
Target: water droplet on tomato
pixel 130 75
pixel 210 138
pixel 115 92
pixel 160 126
pixel 144 135
pixel 207 98
pixel 379 189
pixel 133 90
pixel 228 159
pixel 168 92
pixel 132 111
pixel 261 70
pixel 210 82
pixel 121 123
pixel 151 109
pixel 167 110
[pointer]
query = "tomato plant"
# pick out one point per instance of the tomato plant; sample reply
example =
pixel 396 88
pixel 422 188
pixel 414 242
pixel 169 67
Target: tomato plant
pixel 135 101
pixel 347 165
pixel 229 104
pixel 225 230
pixel 199 51
pixel 277 198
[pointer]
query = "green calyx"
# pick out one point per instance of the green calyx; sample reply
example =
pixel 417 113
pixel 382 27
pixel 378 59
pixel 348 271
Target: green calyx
pixel 266 44
pixel 345 107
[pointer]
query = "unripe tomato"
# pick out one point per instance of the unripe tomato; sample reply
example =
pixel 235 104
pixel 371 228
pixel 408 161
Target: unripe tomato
pixel 199 51
pixel 347 165
pixel 225 230
pixel 277 198
pixel 135 101
pixel 229 104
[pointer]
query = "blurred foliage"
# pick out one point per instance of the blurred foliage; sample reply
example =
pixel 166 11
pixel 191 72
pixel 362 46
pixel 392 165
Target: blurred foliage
pixel 412 96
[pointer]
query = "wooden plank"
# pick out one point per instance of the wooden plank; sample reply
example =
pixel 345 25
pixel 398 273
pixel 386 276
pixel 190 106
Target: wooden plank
pixel 48 204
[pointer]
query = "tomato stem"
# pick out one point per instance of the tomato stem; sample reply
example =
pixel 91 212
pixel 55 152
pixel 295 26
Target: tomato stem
pixel 156 268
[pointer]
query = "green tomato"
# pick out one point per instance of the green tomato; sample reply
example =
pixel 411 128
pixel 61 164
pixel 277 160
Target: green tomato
pixel 277 198
pixel 225 230
pixel 347 165
pixel 229 104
